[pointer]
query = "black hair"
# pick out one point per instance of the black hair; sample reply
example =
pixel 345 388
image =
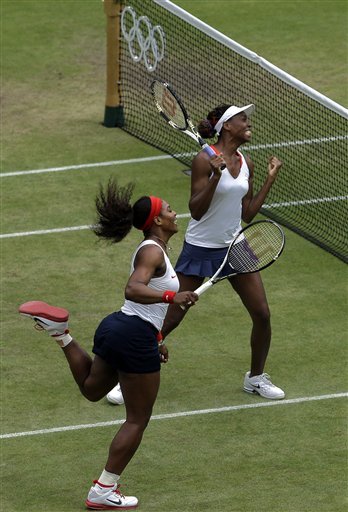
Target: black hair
pixel 206 127
pixel 115 214
pixel 141 211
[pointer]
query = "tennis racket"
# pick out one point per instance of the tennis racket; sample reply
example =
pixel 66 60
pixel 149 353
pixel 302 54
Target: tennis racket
pixel 254 248
pixel 171 108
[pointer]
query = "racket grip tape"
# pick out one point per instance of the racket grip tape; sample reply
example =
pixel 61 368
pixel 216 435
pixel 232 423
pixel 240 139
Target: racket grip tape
pixel 204 287
pixel 208 150
pixel 211 153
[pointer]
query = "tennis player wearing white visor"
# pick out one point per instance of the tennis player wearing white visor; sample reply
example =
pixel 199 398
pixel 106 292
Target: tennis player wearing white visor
pixel 220 200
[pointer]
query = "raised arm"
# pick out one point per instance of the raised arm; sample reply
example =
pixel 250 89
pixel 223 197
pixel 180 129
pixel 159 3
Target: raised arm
pixel 205 177
pixel 251 204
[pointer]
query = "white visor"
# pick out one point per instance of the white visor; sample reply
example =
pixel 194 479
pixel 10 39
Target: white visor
pixel 231 112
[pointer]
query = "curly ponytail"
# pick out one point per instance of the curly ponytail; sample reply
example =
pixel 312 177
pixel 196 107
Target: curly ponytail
pixel 206 127
pixel 114 211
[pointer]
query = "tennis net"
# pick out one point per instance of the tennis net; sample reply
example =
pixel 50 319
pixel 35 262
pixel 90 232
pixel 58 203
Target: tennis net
pixel 306 130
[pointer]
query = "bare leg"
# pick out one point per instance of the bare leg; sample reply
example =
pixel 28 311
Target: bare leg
pixel 175 314
pixel 252 293
pixel 94 377
pixel 139 392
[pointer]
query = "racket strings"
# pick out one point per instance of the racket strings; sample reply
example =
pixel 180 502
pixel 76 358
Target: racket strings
pixel 255 248
pixel 169 106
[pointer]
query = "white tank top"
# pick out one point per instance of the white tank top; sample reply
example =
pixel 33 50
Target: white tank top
pixel 153 313
pixel 222 221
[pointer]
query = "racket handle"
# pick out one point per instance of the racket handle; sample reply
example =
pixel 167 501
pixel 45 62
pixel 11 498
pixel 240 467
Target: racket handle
pixel 201 289
pixel 204 287
pixel 211 153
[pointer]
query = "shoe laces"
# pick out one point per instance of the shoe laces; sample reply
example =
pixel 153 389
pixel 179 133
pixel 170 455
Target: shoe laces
pixel 264 377
pixel 38 326
pixel 118 492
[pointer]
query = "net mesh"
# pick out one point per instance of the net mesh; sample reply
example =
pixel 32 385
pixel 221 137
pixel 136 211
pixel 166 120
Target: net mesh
pixel 310 194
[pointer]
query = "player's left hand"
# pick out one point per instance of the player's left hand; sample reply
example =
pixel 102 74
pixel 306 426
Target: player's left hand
pixel 274 164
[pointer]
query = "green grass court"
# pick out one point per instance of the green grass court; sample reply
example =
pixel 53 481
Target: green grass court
pixel 236 453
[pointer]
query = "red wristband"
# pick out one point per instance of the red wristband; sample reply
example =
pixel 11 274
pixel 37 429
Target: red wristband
pixel 168 296
pixel 160 340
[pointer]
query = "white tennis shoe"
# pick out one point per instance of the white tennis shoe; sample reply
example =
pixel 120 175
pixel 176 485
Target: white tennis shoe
pixel 262 385
pixel 102 497
pixel 115 395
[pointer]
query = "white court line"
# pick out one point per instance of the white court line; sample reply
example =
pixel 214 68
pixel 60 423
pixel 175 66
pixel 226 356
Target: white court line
pixel 166 157
pixel 176 415
pixel 97 164
pixel 86 166
pixel 179 216
pixel 62 230
pixel 44 231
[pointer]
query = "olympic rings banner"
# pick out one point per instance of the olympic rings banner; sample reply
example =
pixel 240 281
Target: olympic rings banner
pixel 145 42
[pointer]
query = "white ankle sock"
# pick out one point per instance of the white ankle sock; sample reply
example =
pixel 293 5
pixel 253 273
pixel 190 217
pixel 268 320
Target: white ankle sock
pixel 107 478
pixel 63 340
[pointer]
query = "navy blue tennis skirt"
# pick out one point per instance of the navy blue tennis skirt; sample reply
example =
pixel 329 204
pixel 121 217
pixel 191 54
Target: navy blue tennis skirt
pixel 201 261
pixel 127 343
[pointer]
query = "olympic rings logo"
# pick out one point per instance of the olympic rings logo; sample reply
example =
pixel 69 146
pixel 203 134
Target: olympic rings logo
pixel 145 42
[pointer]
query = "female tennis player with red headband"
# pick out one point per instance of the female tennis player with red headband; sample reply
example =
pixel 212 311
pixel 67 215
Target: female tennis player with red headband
pixel 127 344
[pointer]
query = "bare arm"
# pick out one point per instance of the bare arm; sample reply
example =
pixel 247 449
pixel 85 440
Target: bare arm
pixel 205 177
pixel 149 262
pixel 251 204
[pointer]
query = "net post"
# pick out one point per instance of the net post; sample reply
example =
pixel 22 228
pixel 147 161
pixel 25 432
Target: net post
pixel 113 115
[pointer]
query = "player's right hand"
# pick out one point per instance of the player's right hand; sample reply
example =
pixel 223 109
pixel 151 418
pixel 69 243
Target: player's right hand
pixel 217 162
pixel 186 299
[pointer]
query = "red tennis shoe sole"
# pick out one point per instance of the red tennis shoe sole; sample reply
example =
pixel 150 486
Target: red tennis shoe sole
pixel 41 309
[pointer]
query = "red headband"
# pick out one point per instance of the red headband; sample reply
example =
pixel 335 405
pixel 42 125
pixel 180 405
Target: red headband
pixel 156 207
